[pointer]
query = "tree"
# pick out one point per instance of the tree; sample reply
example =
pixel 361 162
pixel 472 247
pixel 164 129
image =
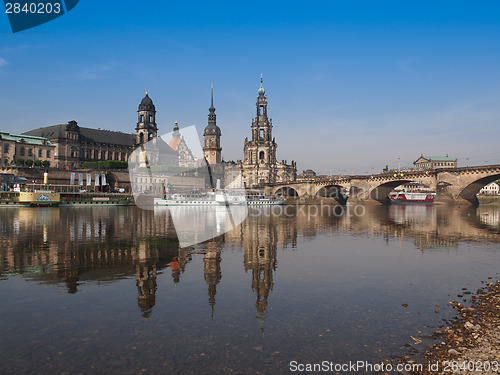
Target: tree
pixel 46 163
pixel 28 162
pixel 38 163
pixel 20 162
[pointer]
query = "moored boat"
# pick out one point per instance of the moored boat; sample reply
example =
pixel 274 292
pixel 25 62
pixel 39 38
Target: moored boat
pixel 218 198
pixel 36 198
pixel 258 199
pixel 412 197
pixel 87 198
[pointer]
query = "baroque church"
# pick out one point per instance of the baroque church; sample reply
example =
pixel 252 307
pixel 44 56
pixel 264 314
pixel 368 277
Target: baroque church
pixel 260 165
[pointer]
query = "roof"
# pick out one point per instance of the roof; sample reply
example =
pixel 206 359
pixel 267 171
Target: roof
pixel 174 143
pixel 436 158
pixel 27 139
pixel 212 129
pixel 87 135
pixel 146 104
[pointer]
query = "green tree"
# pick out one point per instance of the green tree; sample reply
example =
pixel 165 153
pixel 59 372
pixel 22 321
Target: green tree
pixel 28 162
pixel 46 163
pixel 20 162
pixel 38 163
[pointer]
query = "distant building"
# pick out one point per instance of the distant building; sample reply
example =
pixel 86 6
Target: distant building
pixel 308 173
pixel 490 189
pixel 435 162
pixel 75 145
pixel 184 153
pixel 22 146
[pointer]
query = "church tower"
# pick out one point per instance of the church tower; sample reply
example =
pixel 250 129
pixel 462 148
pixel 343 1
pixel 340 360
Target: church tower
pixel 212 149
pixel 262 132
pixel 259 165
pixel 146 128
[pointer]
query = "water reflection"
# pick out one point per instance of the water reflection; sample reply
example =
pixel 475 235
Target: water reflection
pixel 72 243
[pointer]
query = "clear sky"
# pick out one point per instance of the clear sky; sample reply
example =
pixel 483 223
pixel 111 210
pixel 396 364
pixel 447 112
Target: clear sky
pixel 351 85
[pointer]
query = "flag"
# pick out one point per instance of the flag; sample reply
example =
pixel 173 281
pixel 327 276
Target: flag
pixel 97 179
pixel 89 179
pixel 103 179
pixel 80 179
pixel 72 179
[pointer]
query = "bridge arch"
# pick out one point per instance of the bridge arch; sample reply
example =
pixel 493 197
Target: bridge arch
pixel 469 192
pixel 381 192
pixel 286 191
pixel 331 191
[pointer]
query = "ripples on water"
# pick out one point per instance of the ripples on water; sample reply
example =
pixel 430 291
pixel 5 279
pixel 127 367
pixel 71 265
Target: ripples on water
pixel 108 290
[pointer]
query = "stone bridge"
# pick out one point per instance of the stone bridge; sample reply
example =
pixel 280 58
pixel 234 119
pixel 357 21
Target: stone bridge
pixel 452 185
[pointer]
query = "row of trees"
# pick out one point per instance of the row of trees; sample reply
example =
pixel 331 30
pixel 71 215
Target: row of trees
pixel 29 163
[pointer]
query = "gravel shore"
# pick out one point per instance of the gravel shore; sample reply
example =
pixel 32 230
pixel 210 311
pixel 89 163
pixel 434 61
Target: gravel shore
pixel 470 343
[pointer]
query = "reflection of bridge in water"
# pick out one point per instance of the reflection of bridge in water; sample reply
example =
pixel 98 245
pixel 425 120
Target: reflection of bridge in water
pixel 77 246
pixel 454 184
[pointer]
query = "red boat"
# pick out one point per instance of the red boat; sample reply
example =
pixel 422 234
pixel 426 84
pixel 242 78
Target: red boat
pixel 407 197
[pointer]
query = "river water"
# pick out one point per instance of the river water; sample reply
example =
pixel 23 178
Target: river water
pixel 109 290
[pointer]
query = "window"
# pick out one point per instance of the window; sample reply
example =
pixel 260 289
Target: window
pixel 30 152
pixel 6 148
pixel 261 134
pixel 21 151
pixel 142 118
pixel 141 138
pixel 261 155
pixel 48 154
pixel 150 118
pixel 261 110
pixel 40 153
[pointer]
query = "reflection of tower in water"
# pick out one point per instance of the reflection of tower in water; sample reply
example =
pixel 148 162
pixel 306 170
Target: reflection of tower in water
pixel 148 260
pixel 260 258
pixel 145 274
pixel 212 271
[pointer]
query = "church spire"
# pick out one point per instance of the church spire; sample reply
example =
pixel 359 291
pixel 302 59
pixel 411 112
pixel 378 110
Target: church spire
pixel 261 88
pixel 212 98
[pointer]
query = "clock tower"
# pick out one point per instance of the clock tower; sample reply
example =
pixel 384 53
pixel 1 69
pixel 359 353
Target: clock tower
pixel 212 149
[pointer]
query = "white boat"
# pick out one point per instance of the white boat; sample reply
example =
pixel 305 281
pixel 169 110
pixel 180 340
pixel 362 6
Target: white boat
pixel 208 199
pixel 218 198
pixel 259 199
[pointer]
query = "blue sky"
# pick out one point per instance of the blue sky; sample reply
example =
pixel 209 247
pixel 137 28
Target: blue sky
pixel 351 85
